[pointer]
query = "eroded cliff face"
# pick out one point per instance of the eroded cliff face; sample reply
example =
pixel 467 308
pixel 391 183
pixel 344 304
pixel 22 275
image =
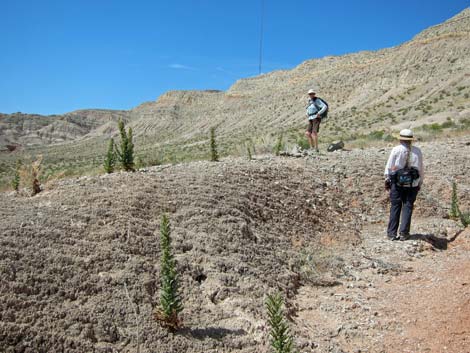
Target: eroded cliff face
pixel 30 129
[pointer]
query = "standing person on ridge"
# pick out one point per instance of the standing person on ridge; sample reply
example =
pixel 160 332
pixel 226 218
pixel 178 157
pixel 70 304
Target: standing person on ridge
pixel 404 175
pixel 317 109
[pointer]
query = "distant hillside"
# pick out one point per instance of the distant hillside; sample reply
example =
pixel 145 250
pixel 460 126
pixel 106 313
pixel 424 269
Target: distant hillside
pixel 31 129
pixel 429 75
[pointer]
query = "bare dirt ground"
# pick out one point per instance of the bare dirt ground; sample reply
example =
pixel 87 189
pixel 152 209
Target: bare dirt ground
pixel 80 261
pixel 403 297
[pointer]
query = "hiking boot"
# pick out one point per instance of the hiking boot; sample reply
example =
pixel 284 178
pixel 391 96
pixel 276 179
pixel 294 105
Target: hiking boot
pixel 392 237
pixel 404 236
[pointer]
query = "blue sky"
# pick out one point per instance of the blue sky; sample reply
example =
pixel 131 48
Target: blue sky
pixel 57 56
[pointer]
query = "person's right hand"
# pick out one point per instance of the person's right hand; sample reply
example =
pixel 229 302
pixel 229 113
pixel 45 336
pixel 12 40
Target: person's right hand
pixel 388 185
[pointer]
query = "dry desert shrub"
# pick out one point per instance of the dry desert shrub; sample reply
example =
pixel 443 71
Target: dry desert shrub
pixel 29 175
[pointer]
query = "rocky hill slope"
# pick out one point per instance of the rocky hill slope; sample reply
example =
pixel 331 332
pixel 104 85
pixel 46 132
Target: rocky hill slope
pixel 80 268
pixel 426 76
pixel 27 129
pixel 423 80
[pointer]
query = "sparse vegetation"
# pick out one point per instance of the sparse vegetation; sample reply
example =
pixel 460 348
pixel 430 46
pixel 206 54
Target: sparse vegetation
pixel 15 183
pixel 170 301
pixel 30 173
pixel 110 160
pixel 465 219
pixel 455 208
pixel 281 339
pixel 126 152
pixel 279 145
pixel 213 146
pixel 248 152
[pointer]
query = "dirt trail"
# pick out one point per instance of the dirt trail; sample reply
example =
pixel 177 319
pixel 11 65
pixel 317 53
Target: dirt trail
pixel 407 297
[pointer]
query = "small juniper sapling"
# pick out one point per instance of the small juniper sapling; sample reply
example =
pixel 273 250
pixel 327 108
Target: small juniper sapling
pixel 110 161
pixel 126 150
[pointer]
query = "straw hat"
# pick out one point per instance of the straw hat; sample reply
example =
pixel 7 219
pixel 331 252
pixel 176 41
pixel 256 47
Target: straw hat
pixel 406 135
pixel 311 91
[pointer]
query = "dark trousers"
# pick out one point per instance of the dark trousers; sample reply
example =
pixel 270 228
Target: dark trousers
pixel 402 200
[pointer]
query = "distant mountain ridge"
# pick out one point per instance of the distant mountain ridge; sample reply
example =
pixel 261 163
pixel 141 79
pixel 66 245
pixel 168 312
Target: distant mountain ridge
pixel 425 77
pixel 32 129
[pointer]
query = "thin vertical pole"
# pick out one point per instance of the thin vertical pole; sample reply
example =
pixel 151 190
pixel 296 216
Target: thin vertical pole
pixel 261 36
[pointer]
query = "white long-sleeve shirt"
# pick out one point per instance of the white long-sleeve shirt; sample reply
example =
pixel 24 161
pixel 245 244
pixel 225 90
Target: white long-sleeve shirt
pixel 397 160
pixel 319 106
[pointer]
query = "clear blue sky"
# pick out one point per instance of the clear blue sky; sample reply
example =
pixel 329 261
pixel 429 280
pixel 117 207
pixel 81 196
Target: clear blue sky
pixel 57 56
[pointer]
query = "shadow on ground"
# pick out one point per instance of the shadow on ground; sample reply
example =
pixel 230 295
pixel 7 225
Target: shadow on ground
pixel 211 332
pixel 436 242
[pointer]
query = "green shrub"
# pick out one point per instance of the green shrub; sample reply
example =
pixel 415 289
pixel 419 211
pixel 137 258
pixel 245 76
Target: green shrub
pixel 126 151
pixel 454 206
pixel 248 151
pixel 434 127
pixel 110 160
pixel 213 146
pixel 279 146
pixel 448 124
pixel 376 135
pixel 465 219
pixel 15 183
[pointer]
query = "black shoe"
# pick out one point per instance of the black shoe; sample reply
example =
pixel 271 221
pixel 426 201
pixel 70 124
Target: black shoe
pixel 404 236
pixel 392 237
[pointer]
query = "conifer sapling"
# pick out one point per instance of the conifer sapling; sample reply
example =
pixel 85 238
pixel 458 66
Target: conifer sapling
pixel 126 152
pixel 110 160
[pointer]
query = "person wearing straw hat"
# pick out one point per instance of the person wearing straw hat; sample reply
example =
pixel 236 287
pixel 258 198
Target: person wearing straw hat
pixel 317 109
pixel 404 174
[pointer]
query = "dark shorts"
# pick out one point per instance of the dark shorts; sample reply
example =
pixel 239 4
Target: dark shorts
pixel 314 125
